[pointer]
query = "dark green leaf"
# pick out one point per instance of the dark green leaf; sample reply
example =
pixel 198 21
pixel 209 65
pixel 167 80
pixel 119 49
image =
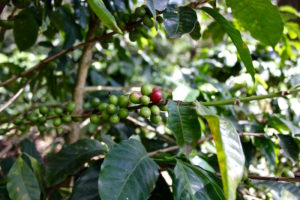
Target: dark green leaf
pixel 267 148
pixel 183 122
pixel 196 33
pixel 127 173
pixel 289 146
pixel 21 183
pixel 260 17
pixel 229 151
pixel 86 186
pixel 6 164
pixel 25 30
pixel 284 126
pixel 71 158
pixel 162 190
pixel 236 38
pixel 27 146
pixel 179 20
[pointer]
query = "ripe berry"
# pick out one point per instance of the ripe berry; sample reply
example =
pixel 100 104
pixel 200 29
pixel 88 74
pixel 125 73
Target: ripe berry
pixel 155 110
pixel 159 19
pixel 123 113
pixel 95 102
pixel 102 106
pixel 145 100
pixel 156 119
pixel 105 115
pixel 156 95
pixel 111 109
pixel 148 22
pixel 44 110
pixel 58 111
pixel 94 118
pixel 146 89
pixel 67 118
pixel 145 112
pixel 70 107
pixel 57 122
pixel 113 99
pixel 114 119
pixel 123 101
pixel 135 97
pixel 140 12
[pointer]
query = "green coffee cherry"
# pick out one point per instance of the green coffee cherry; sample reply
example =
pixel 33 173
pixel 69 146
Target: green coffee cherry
pixel 42 120
pixel 33 117
pixel 57 122
pixel 164 108
pixel 160 19
pixel 125 17
pixel 58 111
pixel 23 127
pixel 114 119
pixel 145 100
pixel 146 89
pixel 111 109
pixel 44 110
pixel 148 22
pixel 18 120
pixel 95 102
pixel 155 110
pixel 134 35
pixel 123 101
pixel 135 97
pixel 102 106
pixel 123 113
pixel 113 99
pixel 145 112
pixel 94 118
pixel 67 118
pixel 70 107
pixel 156 119
pixel 121 24
pixel 140 12
pixel 105 115
pixel 41 128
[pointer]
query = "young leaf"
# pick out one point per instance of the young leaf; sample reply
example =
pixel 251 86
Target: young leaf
pixel 179 20
pixel 183 122
pixel 260 17
pixel 127 172
pixel 236 38
pixel 21 183
pixel 104 15
pixel 229 151
pixel 71 158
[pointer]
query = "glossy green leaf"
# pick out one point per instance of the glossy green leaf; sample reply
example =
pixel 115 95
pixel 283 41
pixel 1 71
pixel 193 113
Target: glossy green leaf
pixel 127 172
pixel 289 146
pixel 25 30
pixel 260 17
pixel 86 186
pixel 283 126
pixel 196 33
pixel 229 150
pixel 21 182
pixel 267 149
pixel 236 38
pixel 71 158
pixel 179 20
pixel 104 15
pixel 194 183
pixel 183 122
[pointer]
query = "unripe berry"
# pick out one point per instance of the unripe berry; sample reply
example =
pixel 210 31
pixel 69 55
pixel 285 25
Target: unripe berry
pixel 155 110
pixel 114 119
pixel 123 113
pixel 18 120
pixel 145 100
pixel 123 101
pixel 95 102
pixel 146 89
pixel 156 119
pixel 58 111
pixel 70 107
pixel 94 118
pixel 42 120
pixel 67 118
pixel 113 99
pixel 44 110
pixel 105 115
pixel 111 109
pixel 41 128
pixel 148 22
pixel 57 122
pixel 156 95
pixel 23 127
pixel 164 108
pixel 160 19
pixel 121 24
pixel 33 117
pixel 134 35
pixel 102 106
pixel 140 12
pixel 145 112
pixel 135 97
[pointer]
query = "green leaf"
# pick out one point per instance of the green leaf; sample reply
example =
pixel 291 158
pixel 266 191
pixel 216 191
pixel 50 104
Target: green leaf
pixel 194 183
pixel 260 17
pixel 27 146
pixel 229 151
pixel 196 33
pixel 21 183
pixel 282 190
pixel 236 38
pixel 86 186
pixel 267 148
pixel 104 15
pixel 127 172
pixel 25 30
pixel 179 20
pixel 71 158
pixel 283 126
pixel 289 146
pixel 183 122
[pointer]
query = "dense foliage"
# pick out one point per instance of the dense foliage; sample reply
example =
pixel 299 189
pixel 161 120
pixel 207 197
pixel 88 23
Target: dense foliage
pixel 168 99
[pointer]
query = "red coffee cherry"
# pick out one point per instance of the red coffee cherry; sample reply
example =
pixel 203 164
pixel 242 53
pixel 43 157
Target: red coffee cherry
pixel 156 95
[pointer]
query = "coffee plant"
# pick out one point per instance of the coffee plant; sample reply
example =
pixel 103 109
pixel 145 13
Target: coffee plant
pixel 134 100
